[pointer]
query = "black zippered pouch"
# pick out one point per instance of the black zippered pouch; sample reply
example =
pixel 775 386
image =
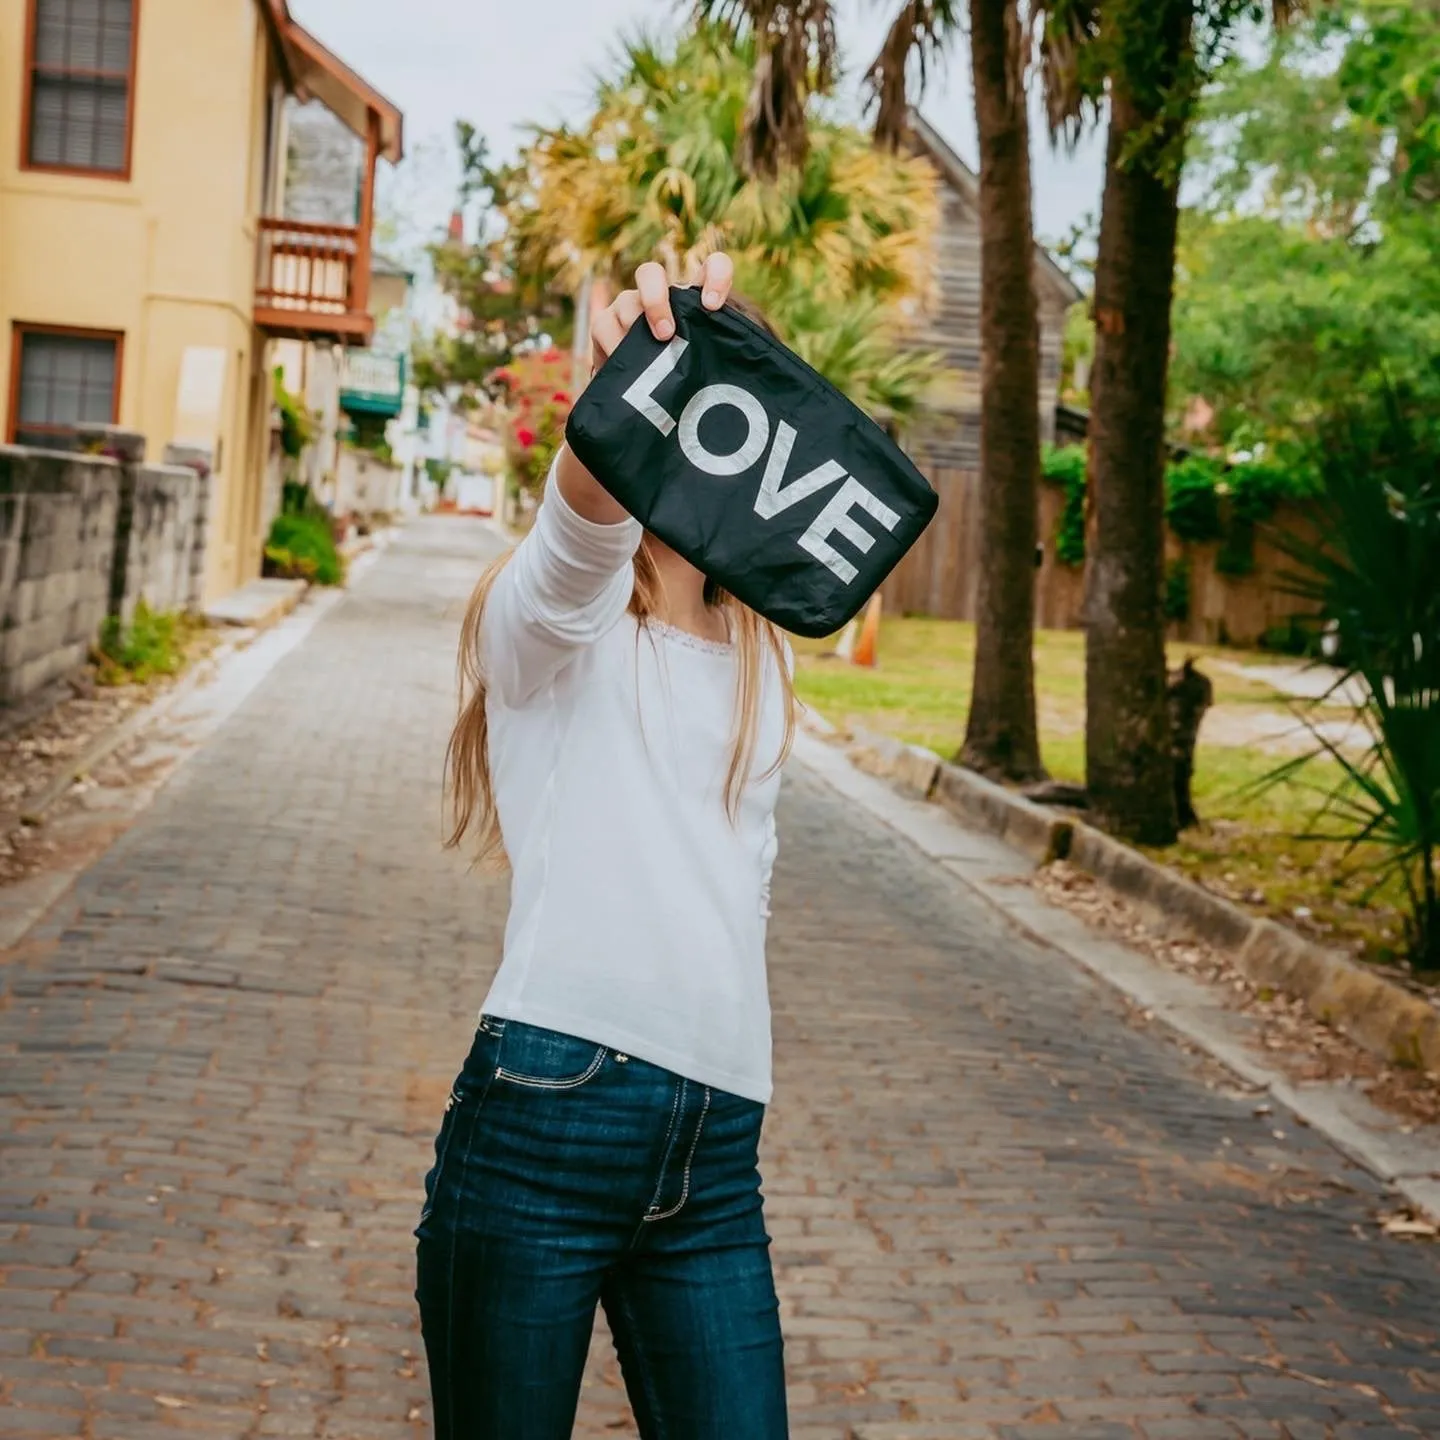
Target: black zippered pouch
pixel 735 453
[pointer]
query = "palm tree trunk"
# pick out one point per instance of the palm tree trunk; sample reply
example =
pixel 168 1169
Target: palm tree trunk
pixel 1001 737
pixel 1427 946
pixel 1129 768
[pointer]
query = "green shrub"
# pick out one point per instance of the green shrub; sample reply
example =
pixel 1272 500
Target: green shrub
pixel 1291 637
pixel 1192 499
pixel 1204 501
pixel 152 644
pixel 1067 466
pixel 438 472
pixel 297 425
pixel 1254 492
pixel 302 547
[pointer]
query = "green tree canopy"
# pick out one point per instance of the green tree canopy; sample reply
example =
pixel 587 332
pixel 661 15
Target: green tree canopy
pixel 1310 272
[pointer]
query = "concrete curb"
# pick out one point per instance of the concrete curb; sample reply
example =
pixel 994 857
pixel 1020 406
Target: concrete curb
pixel 1383 1017
pixel 1408 1162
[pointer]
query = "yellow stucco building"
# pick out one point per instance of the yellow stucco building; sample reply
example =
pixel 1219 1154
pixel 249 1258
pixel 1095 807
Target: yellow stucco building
pixel 145 264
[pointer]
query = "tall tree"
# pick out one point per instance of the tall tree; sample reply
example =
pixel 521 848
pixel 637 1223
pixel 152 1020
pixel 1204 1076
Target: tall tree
pixel 1001 736
pixel 795 46
pixel 1149 60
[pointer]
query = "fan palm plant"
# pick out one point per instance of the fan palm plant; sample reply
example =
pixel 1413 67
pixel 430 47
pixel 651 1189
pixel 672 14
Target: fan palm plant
pixel 834 249
pixel 1375 575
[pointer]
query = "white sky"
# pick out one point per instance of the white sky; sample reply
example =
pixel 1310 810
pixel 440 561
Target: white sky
pixel 504 63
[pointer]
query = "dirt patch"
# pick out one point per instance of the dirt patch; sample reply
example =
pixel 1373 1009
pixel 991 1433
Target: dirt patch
pixel 34 752
pixel 46 742
pixel 1296 1042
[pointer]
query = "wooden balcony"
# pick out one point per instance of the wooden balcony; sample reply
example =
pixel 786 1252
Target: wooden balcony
pixel 313 282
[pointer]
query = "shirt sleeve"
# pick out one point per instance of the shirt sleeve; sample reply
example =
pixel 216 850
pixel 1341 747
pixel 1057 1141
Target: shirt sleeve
pixel 771 847
pixel 567 584
pixel 767 864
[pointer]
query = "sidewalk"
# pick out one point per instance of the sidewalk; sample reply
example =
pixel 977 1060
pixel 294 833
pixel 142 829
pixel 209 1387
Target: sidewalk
pixel 1002 1208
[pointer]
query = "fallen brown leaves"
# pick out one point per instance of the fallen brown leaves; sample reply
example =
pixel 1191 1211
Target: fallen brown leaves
pixel 1294 1040
pixel 34 752
pixel 1409 1224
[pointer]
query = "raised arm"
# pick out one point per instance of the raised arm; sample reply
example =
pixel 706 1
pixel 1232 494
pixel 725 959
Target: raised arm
pixel 570 579
pixel 567 583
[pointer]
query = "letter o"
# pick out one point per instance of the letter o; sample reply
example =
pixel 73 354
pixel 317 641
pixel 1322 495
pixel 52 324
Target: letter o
pixel 756 439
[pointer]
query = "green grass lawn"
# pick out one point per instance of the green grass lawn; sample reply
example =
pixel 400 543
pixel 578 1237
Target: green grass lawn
pixel 920 692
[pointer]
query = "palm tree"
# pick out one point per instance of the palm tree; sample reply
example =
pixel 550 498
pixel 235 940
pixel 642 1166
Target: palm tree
pixel 1149 59
pixel 832 249
pixel 1001 736
pixel 795 45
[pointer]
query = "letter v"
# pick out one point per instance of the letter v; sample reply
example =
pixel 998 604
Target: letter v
pixel 776 496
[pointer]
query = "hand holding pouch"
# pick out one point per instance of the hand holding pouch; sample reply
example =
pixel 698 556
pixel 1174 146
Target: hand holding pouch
pixel 741 458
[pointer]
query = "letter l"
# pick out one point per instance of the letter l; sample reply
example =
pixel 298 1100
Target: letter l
pixel 641 393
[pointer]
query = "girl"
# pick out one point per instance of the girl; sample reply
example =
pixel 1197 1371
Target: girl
pixel 621 733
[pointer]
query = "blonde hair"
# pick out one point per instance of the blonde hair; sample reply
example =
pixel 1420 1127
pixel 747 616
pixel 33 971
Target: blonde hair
pixel 468 782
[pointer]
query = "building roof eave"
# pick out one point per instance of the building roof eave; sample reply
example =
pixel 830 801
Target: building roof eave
pixel 311 69
pixel 965 181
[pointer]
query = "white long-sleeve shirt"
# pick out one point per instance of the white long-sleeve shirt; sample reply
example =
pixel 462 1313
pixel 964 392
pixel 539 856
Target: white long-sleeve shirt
pixel 637 906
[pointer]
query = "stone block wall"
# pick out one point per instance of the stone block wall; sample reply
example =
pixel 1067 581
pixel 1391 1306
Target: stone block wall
pixel 160 540
pixel 83 537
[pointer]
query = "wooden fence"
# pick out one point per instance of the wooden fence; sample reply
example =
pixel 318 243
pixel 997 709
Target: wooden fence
pixel 941 575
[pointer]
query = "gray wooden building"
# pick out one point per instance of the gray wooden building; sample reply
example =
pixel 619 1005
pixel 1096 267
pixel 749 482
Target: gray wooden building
pixel 940 576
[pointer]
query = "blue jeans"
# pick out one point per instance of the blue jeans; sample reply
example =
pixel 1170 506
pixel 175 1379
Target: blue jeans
pixel 569 1175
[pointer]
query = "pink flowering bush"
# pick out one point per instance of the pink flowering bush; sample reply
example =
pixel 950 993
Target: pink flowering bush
pixel 537 401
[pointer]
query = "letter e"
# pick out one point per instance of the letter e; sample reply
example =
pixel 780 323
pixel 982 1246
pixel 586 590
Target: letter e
pixel 852 495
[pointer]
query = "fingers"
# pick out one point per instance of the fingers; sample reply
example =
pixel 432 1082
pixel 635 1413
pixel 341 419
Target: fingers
pixel 607 332
pixel 716 280
pixel 654 288
pixel 613 323
pixel 651 298
pixel 628 308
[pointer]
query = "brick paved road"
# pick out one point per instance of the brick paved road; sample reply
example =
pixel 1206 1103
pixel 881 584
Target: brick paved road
pixel 1000 1210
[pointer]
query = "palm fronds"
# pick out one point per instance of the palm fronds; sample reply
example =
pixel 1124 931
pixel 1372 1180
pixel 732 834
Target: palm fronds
pixel 795 53
pixel 920 34
pixel 837 245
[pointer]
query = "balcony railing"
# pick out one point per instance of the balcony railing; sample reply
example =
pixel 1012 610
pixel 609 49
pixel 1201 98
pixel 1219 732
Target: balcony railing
pixel 312 280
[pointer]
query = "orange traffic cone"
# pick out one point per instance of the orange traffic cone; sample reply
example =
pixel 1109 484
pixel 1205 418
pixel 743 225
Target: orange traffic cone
pixel 869 641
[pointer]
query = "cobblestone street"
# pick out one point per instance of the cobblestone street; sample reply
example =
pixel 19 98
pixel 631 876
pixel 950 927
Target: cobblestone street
pixel 1002 1209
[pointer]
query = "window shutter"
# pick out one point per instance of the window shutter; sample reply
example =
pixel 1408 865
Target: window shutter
pixel 80 84
pixel 65 380
pixel 47 123
pixel 84 47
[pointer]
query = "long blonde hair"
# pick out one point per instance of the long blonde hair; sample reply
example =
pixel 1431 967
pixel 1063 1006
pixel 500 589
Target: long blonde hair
pixel 468 782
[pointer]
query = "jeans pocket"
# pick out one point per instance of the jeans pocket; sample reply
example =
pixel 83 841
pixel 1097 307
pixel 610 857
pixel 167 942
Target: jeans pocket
pixel 442 1148
pixel 538 1059
pixel 466 1096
